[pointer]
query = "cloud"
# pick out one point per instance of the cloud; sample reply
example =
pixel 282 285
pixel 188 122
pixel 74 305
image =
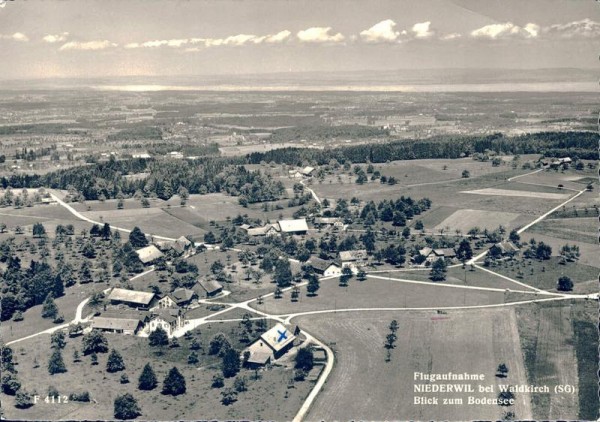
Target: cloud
pixel 88 45
pixel 56 38
pixel 381 32
pixel 319 35
pixel 585 28
pixel 17 36
pixel 422 30
pixel 232 40
pixel 452 36
pixel 506 30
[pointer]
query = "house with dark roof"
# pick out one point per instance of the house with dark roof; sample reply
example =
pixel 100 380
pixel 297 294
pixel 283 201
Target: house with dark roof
pixel 208 288
pixel 169 319
pixel 266 230
pixel 507 248
pixel 353 259
pixel 325 268
pixel 178 298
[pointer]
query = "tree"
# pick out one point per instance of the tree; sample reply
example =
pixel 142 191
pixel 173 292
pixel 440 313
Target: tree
pixel 57 339
pixel 23 399
pixel 390 339
pixel 346 276
pixel 304 359
pixel 464 251
pixel 502 371
pixel 228 396
pixel 137 238
pixel 240 384
pixel 543 251
pixel 466 174
pixel 565 284
pixel 313 285
pixel 174 383
pixel 231 363
pixel 124 378
pixel 126 407
pixel 147 379
pixel 514 237
pixel 39 230
pixel 219 344
pixel 438 270
pixel 49 308
pixel 394 326
pixel 115 362
pixel 95 342
pixel 193 358
pixel 283 273
pixel 158 337
pixel 10 384
pixel 217 381
pixel 56 365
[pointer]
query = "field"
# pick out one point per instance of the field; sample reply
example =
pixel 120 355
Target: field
pixel 569 229
pixel 466 219
pixel 200 401
pixel 364 386
pixel 380 294
pixel 554 355
pixel 589 252
pixel 544 274
pixel 518 193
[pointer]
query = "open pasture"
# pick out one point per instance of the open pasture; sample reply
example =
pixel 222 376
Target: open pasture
pixel 569 229
pixel 466 219
pixel 378 293
pixel 363 386
pixel 518 193
pixel 549 347
pixel 150 220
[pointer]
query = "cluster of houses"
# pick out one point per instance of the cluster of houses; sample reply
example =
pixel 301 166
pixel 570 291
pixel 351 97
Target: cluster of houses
pixel 136 312
pixel 354 260
pixel 563 162
pixel 293 227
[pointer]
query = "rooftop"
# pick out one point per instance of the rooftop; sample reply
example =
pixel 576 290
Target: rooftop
pixel 291 226
pixel 131 296
pixel 278 337
pixel 149 254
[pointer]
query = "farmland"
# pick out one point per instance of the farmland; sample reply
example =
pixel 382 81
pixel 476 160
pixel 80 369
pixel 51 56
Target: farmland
pixel 428 343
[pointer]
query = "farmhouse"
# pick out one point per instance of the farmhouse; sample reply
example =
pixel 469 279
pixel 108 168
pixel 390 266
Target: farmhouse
pixel 121 324
pixel 307 171
pixel 428 254
pixel 178 246
pixel 178 298
pixel 132 298
pixel 167 319
pixel 149 254
pixel 270 346
pixel 209 288
pixel 329 221
pixel 297 226
pixel 323 267
pixel 446 253
pixel 507 248
pixel 353 259
pixel 295 174
pixel 266 230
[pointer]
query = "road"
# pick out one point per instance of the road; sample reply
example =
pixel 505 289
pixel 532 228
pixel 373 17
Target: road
pixel 89 220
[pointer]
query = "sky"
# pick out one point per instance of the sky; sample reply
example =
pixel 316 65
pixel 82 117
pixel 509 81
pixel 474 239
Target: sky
pixel 89 38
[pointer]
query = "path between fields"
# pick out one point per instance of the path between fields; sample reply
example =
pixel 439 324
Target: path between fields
pixel 89 220
pixel 537 220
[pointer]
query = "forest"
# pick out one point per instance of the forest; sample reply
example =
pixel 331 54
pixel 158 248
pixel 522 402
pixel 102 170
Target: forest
pixel 228 174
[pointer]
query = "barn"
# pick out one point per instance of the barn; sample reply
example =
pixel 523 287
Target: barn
pixel 270 346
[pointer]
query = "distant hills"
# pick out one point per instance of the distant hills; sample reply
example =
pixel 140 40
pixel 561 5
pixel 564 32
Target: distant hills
pixel 401 80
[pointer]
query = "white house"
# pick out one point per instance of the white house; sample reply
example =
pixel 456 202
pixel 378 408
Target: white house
pixel 297 226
